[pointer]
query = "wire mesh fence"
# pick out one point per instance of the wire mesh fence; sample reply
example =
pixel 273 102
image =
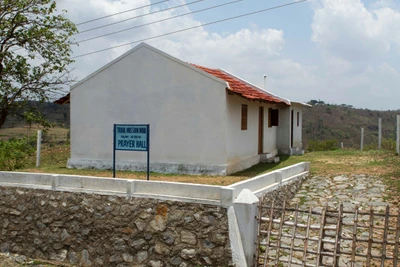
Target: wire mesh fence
pixel 289 236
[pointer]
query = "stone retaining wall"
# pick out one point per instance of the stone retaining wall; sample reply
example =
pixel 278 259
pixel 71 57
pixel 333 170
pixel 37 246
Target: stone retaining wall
pixel 283 193
pixel 103 230
pixel 91 221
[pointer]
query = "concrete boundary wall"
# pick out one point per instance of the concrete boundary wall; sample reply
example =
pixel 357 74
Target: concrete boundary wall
pixel 222 195
pixel 240 199
pixel 264 181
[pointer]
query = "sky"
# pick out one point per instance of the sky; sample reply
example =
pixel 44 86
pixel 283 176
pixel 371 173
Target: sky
pixel 337 51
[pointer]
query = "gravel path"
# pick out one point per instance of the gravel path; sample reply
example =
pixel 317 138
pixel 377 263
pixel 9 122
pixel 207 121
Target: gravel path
pixel 353 191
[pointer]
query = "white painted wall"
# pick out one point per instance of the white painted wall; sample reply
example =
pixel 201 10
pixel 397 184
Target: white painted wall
pixel 297 130
pixel 270 133
pixel 243 144
pixel 283 130
pixel 180 104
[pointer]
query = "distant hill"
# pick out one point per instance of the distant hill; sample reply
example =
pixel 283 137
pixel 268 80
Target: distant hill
pixel 343 123
pixel 323 121
pixel 54 113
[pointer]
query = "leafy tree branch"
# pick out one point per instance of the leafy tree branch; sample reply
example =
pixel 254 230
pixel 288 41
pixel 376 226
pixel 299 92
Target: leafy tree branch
pixel 35 52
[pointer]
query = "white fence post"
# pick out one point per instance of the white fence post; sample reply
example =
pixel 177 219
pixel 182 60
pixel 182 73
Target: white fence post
pixel 362 139
pixel 246 210
pixel 341 145
pixel 379 133
pixel 38 147
pixel 398 135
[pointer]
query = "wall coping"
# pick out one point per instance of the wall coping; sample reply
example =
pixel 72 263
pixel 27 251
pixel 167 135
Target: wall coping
pixel 185 192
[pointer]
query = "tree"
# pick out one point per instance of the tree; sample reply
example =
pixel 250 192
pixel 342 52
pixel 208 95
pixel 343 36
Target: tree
pixel 35 52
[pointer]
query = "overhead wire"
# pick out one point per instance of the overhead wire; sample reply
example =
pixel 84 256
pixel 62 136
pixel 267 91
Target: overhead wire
pixel 191 28
pixel 139 16
pixel 157 21
pixel 125 11
pixel 122 12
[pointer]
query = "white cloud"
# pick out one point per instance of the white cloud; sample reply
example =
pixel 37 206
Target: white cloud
pixel 347 29
pixel 355 42
pixel 248 53
pixel 352 41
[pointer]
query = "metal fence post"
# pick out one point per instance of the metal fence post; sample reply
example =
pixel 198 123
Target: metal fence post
pixel 362 139
pixel 379 133
pixel 398 135
pixel 38 147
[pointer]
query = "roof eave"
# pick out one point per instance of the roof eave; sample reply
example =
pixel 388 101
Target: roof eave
pixel 256 99
pixel 284 100
pixel 302 103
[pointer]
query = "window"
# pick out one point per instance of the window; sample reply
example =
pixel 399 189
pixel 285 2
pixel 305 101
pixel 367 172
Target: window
pixel 244 117
pixel 298 119
pixel 273 117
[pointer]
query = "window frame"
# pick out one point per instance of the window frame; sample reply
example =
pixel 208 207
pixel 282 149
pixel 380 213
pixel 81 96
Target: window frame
pixel 244 117
pixel 298 118
pixel 273 117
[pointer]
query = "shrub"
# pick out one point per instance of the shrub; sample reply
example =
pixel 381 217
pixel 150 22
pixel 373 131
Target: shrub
pixel 14 153
pixel 322 145
pixel 388 144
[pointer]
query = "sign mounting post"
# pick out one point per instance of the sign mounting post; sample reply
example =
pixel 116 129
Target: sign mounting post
pixel 132 137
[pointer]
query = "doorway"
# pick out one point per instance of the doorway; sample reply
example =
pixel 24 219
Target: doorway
pixel 260 130
pixel 291 128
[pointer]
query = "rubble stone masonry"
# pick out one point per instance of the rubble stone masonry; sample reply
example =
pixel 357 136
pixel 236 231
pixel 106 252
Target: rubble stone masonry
pixel 103 230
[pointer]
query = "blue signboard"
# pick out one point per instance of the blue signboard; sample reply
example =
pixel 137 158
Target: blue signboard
pixel 132 137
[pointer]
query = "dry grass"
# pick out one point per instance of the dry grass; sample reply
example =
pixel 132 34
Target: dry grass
pixel 54 159
pixel 379 163
pixel 55 134
pixel 328 163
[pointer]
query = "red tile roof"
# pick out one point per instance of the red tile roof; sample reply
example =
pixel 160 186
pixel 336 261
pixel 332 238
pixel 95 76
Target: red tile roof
pixel 63 100
pixel 242 88
pixel 236 85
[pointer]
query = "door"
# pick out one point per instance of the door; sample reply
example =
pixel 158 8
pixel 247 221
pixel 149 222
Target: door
pixel 260 130
pixel 291 129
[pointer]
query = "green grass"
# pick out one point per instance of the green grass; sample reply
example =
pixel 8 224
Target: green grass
pixel 381 163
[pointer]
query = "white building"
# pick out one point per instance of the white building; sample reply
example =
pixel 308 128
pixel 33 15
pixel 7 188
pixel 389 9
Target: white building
pixel 203 121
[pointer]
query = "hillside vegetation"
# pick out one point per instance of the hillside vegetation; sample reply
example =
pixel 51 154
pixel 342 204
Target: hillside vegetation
pixel 57 115
pixel 54 113
pixel 343 123
pixel 339 123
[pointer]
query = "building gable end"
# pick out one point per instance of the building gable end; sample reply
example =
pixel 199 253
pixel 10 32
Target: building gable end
pixel 153 49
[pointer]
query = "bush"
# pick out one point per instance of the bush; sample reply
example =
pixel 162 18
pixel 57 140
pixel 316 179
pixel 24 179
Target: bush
pixel 388 144
pixel 14 153
pixel 322 145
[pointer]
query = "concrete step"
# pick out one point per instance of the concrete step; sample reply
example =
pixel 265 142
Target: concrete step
pixel 274 160
pixel 268 156
pixel 270 160
pixel 296 151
